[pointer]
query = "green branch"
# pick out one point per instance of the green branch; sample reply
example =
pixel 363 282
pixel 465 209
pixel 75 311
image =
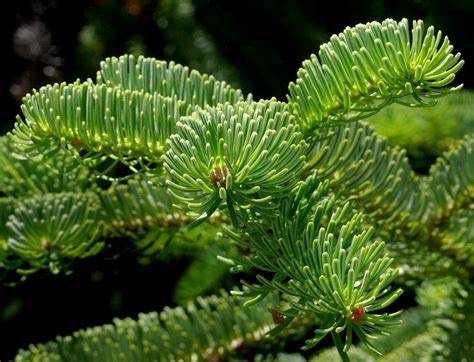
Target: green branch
pixel 47 231
pixel 167 79
pixel 369 66
pixel 325 261
pixel 377 178
pixel 207 329
pixel 21 177
pixel 243 156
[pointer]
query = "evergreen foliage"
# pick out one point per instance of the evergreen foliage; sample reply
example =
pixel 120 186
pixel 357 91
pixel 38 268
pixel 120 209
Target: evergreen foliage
pixel 49 229
pixel 370 66
pixel 435 330
pixel 245 155
pixel 326 219
pixel 20 177
pixel 219 325
pixel 376 177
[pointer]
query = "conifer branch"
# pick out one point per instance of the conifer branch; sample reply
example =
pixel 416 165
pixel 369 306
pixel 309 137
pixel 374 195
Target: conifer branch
pixel 451 211
pixel 325 261
pixel 298 185
pixel 127 116
pixel 405 208
pixel 451 179
pixel 434 330
pixel 243 156
pixel 21 177
pixel 209 328
pixel 377 178
pixel 173 80
pixel 47 231
pixel 129 126
pixel 138 206
pixel 369 66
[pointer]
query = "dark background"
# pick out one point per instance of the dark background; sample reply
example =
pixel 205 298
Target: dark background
pixel 255 45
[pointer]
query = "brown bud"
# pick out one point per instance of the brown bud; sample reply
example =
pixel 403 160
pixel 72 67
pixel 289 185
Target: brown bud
pixel 76 143
pixel 218 176
pixel 277 317
pixel 357 314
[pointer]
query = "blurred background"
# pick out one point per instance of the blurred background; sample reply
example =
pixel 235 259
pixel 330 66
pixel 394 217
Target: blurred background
pixel 257 46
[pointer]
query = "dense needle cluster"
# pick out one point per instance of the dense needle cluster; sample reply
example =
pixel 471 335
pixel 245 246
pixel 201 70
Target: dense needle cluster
pixel 243 156
pixel 304 197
